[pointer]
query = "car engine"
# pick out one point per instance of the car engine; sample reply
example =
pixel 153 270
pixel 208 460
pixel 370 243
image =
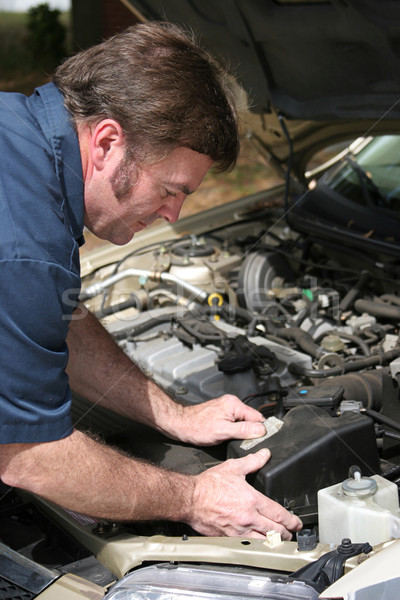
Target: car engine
pixel 301 328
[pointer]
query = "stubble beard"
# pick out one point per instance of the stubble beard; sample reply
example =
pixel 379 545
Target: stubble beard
pixel 124 178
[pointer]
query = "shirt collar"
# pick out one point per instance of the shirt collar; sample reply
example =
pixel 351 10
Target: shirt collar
pixel 57 125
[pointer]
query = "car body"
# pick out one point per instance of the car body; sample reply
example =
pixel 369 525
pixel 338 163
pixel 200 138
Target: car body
pixel 288 298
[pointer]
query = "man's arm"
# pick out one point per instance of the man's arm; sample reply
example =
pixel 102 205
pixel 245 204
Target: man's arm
pixel 101 372
pixel 84 475
pixel 219 501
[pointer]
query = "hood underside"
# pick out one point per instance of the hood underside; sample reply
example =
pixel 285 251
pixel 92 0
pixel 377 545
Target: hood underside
pixel 331 69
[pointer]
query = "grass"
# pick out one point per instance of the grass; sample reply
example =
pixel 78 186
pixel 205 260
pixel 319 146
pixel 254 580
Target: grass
pixel 13 54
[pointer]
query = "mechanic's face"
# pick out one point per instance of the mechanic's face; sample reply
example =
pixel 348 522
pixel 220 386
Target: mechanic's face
pixel 125 199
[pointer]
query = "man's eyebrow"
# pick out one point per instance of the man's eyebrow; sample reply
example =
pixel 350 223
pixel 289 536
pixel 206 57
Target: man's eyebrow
pixel 180 186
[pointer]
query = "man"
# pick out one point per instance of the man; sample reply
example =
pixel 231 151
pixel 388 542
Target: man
pixel 126 132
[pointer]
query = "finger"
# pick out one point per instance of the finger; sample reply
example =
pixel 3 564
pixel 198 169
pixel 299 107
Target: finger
pixel 277 514
pixel 242 412
pixel 244 430
pixel 256 535
pixel 248 464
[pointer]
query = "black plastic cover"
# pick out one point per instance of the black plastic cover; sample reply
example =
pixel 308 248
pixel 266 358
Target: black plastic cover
pixel 311 451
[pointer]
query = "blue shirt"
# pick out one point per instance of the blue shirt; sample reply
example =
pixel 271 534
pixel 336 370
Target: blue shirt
pixel 41 224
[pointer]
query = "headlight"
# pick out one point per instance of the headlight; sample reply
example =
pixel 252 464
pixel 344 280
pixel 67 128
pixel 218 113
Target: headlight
pixel 179 582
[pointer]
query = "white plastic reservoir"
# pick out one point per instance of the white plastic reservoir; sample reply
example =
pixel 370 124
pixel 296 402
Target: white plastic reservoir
pixel 364 509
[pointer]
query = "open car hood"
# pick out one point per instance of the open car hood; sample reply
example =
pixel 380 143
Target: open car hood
pixel 331 70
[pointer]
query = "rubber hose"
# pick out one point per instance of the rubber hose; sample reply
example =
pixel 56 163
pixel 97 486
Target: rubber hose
pixel 301 338
pixel 379 418
pixel 378 309
pixel 115 308
pixel 144 327
pixel 390 299
pixel 391 435
pixel 352 294
pixel 355 365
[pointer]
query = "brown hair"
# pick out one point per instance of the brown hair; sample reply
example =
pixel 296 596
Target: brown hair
pixel 162 87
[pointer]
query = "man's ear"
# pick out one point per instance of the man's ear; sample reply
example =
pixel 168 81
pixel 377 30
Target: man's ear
pixel 107 143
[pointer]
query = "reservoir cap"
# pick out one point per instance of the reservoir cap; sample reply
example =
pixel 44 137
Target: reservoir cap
pixel 359 486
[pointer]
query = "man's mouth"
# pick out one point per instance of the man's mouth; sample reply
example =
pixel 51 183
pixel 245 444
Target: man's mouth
pixel 143 224
pixel 148 221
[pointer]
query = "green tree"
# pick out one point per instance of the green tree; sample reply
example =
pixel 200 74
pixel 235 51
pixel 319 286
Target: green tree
pixel 46 36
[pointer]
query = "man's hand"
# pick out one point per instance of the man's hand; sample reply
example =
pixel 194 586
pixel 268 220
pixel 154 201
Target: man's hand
pixel 218 420
pixel 225 504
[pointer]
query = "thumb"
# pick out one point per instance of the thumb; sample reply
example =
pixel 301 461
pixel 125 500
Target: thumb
pixel 246 430
pixel 252 462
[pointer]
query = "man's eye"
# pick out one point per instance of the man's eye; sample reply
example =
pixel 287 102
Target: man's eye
pixel 169 193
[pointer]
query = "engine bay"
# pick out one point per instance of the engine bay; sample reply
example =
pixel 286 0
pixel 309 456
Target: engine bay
pixel 304 330
pixel 300 328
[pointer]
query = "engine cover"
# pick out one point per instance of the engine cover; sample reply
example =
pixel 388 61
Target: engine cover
pixel 311 451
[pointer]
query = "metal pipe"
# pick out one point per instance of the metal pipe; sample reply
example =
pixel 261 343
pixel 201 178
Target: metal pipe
pixel 98 288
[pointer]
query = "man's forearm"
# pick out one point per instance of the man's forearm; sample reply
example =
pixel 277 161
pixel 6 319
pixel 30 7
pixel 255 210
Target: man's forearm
pixel 87 476
pixel 99 370
pixel 83 475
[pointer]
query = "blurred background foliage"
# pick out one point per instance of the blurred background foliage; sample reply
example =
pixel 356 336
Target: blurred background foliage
pixel 31 46
pixel 46 38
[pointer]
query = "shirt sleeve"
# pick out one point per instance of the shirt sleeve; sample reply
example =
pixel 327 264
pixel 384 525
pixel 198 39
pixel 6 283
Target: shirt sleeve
pixel 36 303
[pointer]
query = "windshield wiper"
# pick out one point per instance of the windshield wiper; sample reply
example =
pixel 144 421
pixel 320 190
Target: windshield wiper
pixel 366 183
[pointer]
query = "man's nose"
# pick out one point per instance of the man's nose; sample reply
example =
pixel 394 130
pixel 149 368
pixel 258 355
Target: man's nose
pixel 171 209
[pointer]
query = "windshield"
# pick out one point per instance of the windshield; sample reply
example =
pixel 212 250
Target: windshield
pixel 356 201
pixel 369 175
